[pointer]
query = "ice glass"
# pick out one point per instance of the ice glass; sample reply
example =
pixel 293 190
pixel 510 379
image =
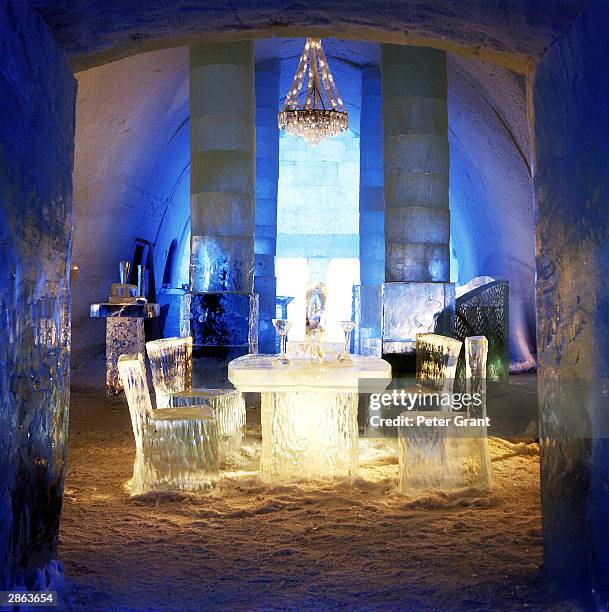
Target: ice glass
pixel 123 268
pixel 348 327
pixel 282 327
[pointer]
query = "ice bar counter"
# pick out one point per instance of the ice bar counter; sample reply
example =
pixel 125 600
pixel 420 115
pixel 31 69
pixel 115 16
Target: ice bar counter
pixel 308 412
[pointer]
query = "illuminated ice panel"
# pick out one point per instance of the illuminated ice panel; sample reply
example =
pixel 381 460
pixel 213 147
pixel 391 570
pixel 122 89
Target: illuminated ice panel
pixel 308 435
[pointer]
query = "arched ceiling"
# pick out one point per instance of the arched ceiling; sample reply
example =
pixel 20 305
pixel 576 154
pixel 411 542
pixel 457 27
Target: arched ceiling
pixel 513 33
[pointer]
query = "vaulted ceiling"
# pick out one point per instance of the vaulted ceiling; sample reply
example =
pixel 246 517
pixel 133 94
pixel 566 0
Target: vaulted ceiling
pixel 512 32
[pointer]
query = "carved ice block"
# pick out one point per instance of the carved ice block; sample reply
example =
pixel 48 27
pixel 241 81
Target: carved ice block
pixel 308 434
pixel 309 412
pixel 227 408
pixel 171 365
pixel 435 453
pixel 411 308
pixel 123 335
pixel 222 319
pixel 175 448
pixel 483 310
pixel 437 358
pixel 121 293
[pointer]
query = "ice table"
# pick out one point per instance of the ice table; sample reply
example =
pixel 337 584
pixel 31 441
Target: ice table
pixel 124 334
pixel 308 412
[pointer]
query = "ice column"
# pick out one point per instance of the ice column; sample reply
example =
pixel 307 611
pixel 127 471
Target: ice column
pixel 222 203
pixel 417 219
pixel 371 208
pixel 267 177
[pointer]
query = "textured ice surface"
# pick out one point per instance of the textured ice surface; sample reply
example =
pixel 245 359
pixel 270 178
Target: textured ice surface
pixel 308 435
pixel 476 351
pixel 412 308
pixel 221 319
pixel 484 311
pixel 441 456
pixel 171 365
pixel 227 408
pixel 259 373
pixel 123 335
pixel 437 358
pixel 176 449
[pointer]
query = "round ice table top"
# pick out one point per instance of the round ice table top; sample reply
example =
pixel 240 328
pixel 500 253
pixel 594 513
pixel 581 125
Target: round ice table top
pixel 264 373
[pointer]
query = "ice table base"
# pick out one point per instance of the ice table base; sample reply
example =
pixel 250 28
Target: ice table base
pixel 308 435
pixel 309 412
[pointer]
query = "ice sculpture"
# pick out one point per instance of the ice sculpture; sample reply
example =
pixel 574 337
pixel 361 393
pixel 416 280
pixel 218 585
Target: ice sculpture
pixel 308 435
pixel 483 310
pixel 437 358
pixel 171 365
pixel 228 409
pixel 176 449
pixel 308 412
pixel 476 351
pixel 411 308
pixel 447 450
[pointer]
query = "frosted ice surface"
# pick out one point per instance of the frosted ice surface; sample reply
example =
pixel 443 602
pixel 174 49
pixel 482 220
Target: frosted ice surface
pixel 445 457
pixel 175 448
pixel 437 358
pixel 308 434
pixel 171 365
pixel 123 335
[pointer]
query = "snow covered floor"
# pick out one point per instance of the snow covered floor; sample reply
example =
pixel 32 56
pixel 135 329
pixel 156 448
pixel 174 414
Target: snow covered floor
pixel 315 545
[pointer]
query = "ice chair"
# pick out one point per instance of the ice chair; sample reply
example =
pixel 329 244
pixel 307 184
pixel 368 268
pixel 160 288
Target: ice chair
pixel 171 365
pixel 176 449
pixel 433 455
pixel 437 357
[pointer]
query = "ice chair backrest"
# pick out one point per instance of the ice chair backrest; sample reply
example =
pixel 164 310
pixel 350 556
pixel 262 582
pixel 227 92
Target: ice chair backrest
pixel 132 370
pixel 171 365
pixel 476 351
pixel 437 358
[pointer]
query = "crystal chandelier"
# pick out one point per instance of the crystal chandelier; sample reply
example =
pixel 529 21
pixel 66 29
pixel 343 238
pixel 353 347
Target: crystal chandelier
pixel 321 112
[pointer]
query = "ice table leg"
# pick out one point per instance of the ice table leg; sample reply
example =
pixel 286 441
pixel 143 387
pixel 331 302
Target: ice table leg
pixel 308 435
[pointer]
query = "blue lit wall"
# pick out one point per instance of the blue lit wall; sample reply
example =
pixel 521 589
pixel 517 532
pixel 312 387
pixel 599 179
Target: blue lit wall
pixel 131 177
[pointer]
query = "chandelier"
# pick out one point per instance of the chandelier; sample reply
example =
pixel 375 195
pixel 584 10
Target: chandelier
pixel 316 112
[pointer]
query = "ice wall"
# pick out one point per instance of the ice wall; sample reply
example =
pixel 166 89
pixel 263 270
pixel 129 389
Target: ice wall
pixel 571 98
pixel 131 174
pixel 36 155
pixel 491 193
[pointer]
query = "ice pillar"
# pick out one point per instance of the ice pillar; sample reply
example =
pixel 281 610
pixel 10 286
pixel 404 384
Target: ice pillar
pixel 371 207
pixel 571 181
pixel 222 203
pixel 267 177
pixel 417 218
pixel 37 107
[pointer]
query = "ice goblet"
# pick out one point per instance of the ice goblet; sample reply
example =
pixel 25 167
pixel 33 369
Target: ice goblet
pixel 348 327
pixel 282 327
